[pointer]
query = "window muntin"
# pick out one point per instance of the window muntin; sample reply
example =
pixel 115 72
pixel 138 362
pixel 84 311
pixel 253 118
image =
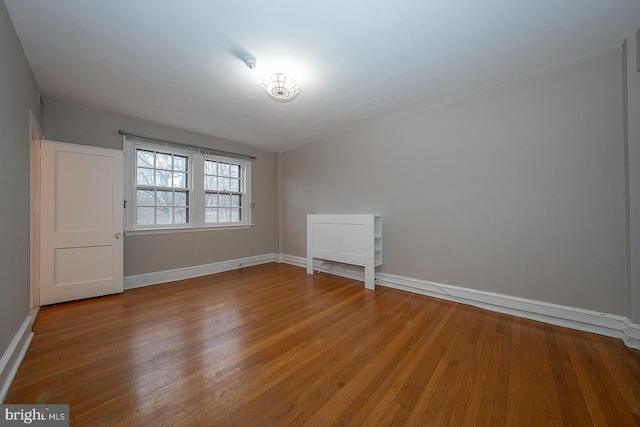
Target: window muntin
pixel 224 192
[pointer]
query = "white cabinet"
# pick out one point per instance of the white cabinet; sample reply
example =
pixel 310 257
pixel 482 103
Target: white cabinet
pixel 349 239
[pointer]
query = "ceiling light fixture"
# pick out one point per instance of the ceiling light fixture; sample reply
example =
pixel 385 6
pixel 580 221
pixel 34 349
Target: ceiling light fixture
pixel 281 88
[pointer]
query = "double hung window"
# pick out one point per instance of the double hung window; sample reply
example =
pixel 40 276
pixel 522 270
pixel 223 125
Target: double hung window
pixel 222 192
pixel 175 187
pixel 162 187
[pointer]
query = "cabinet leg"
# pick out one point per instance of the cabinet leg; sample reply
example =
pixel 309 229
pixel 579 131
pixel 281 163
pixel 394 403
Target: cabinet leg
pixel 369 277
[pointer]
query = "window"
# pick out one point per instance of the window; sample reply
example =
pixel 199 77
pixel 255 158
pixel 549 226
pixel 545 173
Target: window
pixel 174 187
pixel 223 198
pixel 162 190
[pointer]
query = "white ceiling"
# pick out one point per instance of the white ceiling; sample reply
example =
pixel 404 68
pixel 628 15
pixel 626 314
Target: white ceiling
pixel 180 62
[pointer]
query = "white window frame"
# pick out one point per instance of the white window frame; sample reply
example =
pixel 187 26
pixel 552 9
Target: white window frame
pixel 242 190
pixel 196 192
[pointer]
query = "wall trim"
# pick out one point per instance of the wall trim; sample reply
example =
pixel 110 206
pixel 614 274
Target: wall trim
pixel 13 356
pixel 293 260
pixel 631 334
pixel 147 279
pixel 570 317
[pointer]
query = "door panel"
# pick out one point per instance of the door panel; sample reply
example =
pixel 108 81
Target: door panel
pixel 79 201
pixel 81 246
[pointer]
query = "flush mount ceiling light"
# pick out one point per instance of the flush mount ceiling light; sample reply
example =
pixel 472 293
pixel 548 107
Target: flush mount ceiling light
pixel 281 88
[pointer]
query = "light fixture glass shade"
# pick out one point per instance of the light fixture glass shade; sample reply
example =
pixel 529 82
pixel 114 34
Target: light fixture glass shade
pixel 281 88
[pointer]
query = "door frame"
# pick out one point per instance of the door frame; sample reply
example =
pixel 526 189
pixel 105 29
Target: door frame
pixel 35 134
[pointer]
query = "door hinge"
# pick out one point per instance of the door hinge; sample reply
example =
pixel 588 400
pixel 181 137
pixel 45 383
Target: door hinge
pixel 125 204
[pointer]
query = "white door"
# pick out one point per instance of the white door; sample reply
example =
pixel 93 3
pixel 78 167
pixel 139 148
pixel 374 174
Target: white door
pixel 81 212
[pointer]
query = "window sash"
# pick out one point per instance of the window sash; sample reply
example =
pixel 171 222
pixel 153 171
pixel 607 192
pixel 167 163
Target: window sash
pixel 166 206
pixel 224 185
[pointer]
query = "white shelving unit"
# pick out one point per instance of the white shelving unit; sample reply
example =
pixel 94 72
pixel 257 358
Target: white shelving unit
pixel 349 239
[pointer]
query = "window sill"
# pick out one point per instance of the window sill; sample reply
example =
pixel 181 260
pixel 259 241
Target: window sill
pixel 145 231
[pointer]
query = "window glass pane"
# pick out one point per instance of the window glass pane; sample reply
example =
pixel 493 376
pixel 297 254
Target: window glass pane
pixel 144 216
pixel 225 199
pixel 180 216
pixel 235 200
pixel 144 158
pixel 210 168
pixel 164 216
pixel 163 178
pixel 223 184
pixel 145 198
pixel 211 200
pixel 235 171
pixel 211 215
pixel 234 184
pixel 224 215
pixel 164 198
pixel 164 161
pixel 211 183
pixel 179 180
pixel 144 176
pixel 235 215
pixel 223 169
pixel 180 163
pixel 180 198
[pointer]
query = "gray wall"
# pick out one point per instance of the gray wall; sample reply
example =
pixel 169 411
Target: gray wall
pixel 632 81
pixel 18 95
pixel 158 252
pixel 517 189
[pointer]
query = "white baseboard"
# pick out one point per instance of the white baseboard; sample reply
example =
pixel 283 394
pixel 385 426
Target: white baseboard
pixel 292 260
pixel 139 280
pixel 631 334
pixel 570 317
pixel 13 356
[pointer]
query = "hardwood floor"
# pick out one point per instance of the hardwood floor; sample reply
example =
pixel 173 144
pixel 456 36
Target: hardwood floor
pixel 270 345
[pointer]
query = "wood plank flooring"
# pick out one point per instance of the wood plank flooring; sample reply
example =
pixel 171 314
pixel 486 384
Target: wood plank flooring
pixel 270 345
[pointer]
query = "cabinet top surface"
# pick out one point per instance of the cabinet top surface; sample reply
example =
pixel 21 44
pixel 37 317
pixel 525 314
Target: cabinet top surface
pixel 338 216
